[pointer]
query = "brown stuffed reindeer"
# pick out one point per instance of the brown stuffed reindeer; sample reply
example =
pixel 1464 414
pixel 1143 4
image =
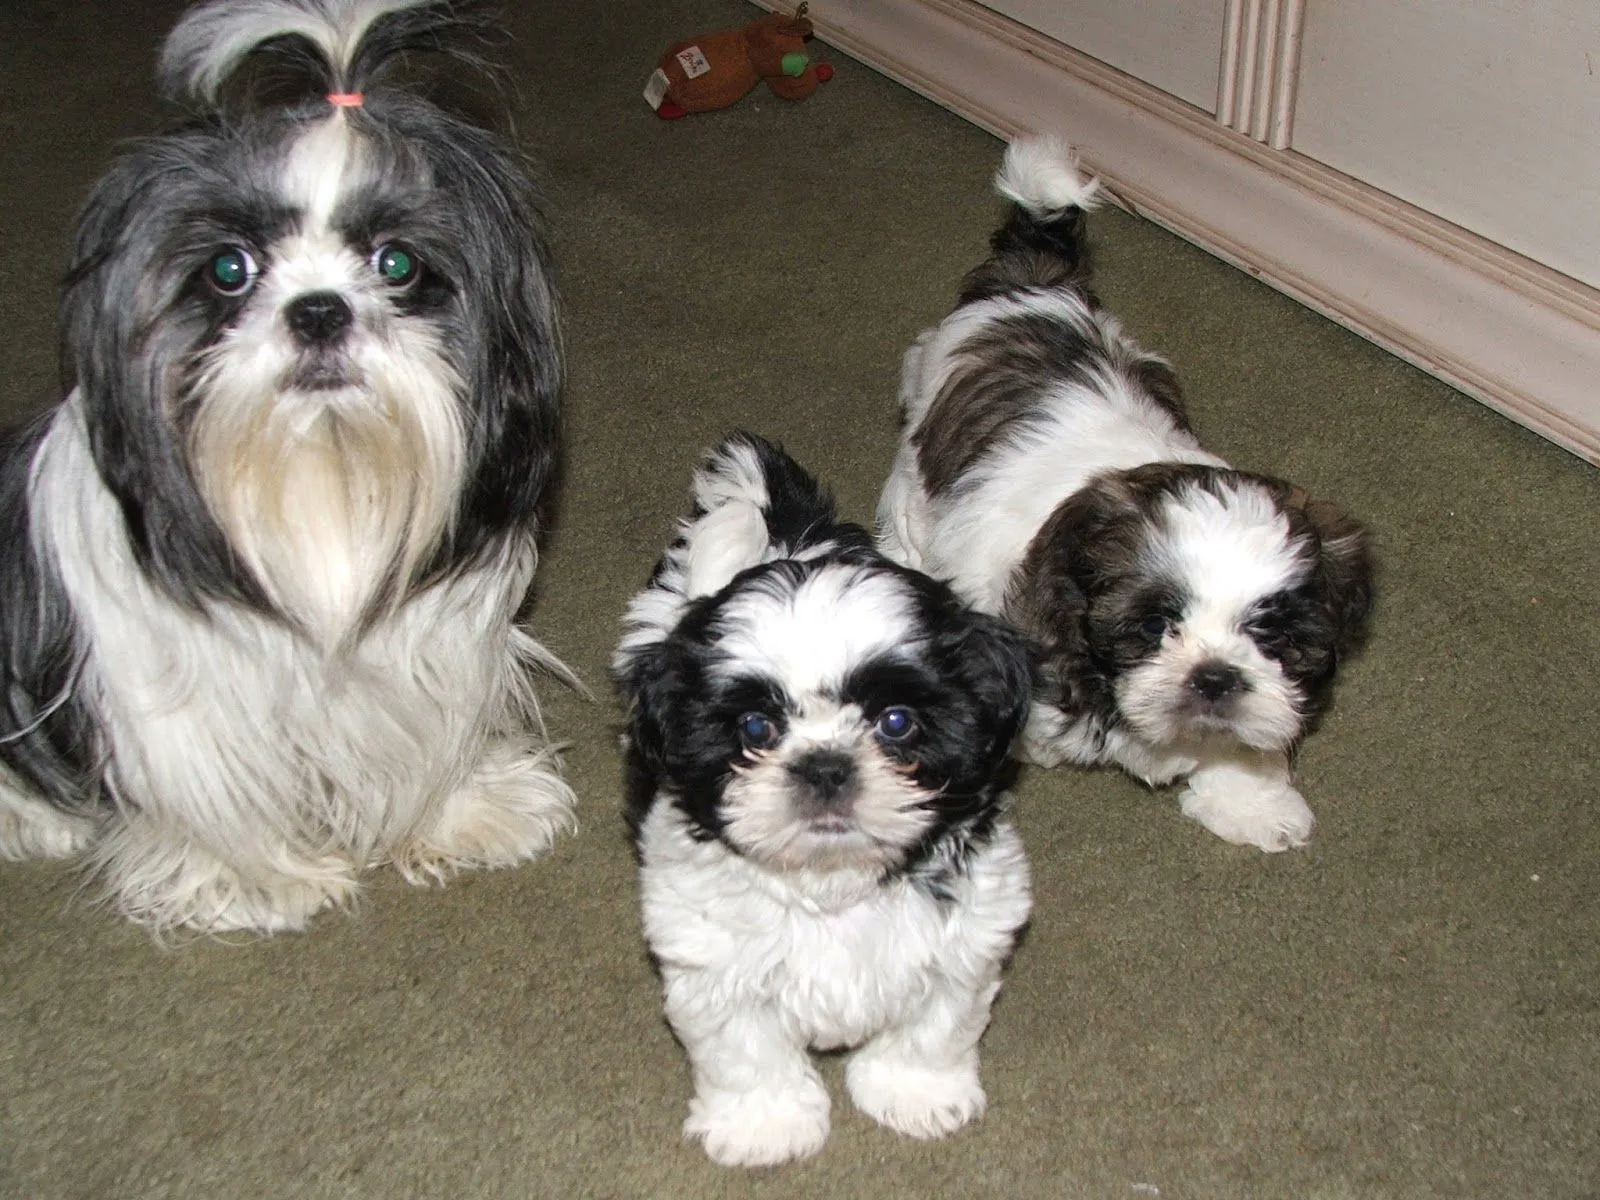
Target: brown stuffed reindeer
pixel 715 70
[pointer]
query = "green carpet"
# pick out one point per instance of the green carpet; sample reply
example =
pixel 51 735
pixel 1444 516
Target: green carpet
pixel 1408 1008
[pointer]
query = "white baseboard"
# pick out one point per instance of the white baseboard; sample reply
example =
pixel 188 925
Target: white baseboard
pixel 1522 338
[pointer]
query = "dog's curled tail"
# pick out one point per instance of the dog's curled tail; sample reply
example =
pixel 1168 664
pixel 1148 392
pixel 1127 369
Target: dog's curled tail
pixel 1042 240
pixel 753 504
pixel 1041 175
pixel 345 42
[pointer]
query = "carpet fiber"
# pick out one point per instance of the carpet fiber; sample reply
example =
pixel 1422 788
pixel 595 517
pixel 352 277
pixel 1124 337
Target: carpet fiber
pixel 1407 1008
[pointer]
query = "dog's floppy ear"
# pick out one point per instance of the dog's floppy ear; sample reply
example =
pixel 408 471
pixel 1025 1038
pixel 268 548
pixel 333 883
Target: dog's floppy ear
pixel 999 665
pixel 650 684
pixel 1075 550
pixel 1344 567
pixel 1347 569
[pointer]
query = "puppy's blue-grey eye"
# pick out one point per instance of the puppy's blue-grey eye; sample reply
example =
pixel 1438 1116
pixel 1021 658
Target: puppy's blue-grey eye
pixel 1155 626
pixel 232 271
pixel 758 731
pixel 895 724
pixel 396 264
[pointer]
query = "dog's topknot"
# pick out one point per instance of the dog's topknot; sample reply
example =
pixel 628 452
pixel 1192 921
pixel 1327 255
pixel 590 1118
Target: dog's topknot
pixel 346 43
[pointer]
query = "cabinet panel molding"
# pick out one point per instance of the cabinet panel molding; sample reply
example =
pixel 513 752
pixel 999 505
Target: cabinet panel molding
pixel 1171 44
pixel 1260 68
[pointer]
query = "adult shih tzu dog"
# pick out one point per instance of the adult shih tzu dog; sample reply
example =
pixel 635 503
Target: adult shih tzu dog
pixel 264 563
pixel 818 744
pixel 1193 617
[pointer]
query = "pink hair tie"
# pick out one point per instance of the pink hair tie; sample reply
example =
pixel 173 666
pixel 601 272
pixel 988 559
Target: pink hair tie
pixel 345 99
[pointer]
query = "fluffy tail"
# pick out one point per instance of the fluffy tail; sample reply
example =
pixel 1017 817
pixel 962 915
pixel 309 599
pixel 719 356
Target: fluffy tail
pixel 344 43
pixel 752 504
pixel 1042 242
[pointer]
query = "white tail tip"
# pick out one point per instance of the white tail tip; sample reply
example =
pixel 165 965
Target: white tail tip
pixel 1041 173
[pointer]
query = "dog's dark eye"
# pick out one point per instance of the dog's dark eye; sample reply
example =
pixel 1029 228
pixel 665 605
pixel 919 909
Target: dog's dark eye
pixel 396 264
pixel 895 724
pixel 758 731
pixel 1155 626
pixel 232 271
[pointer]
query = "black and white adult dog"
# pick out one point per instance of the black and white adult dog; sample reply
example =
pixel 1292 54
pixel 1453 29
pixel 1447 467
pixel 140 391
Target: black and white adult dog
pixel 1193 616
pixel 818 743
pixel 263 565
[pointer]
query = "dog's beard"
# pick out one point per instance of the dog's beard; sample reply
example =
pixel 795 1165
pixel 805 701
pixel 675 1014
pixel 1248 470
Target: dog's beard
pixel 332 497
pixel 766 818
pixel 1157 702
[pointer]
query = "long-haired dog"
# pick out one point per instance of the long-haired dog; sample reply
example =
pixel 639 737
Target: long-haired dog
pixel 1193 617
pixel 818 744
pixel 263 565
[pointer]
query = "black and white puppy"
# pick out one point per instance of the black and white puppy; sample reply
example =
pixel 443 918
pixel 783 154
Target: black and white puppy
pixel 262 566
pixel 1193 616
pixel 818 744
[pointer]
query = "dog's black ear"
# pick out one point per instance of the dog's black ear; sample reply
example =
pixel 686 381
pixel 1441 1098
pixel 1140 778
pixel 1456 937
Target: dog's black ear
pixel 650 684
pixel 646 681
pixel 999 665
pixel 1344 566
pixel 1345 563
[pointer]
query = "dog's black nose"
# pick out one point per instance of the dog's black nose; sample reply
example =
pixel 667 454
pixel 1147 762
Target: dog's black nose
pixel 1215 680
pixel 826 773
pixel 318 317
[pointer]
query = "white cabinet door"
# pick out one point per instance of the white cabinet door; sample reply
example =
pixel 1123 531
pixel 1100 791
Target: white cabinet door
pixel 1485 112
pixel 1175 45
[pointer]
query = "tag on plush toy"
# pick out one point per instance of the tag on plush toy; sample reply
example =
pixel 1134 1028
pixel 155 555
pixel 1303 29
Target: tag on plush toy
pixel 656 90
pixel 695 63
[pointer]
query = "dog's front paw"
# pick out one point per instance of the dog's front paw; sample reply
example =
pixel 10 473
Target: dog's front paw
pixel 511 808
pixel 164 880
pixel 916 1100
pixel 32 829
pixel 1243 807
pixel 761 1127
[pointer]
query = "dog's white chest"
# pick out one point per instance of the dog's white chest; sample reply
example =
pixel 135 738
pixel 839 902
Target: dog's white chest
pixel 836 960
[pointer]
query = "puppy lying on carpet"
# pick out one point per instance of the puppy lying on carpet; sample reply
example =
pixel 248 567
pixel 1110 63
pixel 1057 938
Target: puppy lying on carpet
pixel 1193 617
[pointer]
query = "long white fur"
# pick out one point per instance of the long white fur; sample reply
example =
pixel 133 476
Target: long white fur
pixel 760 965
pixel 253 773
pixel 975 536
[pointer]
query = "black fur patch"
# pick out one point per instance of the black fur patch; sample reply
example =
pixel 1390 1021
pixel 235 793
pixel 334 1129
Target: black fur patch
pixel 47 736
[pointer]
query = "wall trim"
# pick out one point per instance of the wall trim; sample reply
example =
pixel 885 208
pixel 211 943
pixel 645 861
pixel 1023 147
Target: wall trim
pixel 1514 334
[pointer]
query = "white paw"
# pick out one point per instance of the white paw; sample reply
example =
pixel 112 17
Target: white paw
pixel 761 1127
pixel 164 880
pixel 919 1101
pixel 30 828
pixel 1243 808
pixel 512 808
pixel 1044 738
pixel 279 906
pixel 1157 771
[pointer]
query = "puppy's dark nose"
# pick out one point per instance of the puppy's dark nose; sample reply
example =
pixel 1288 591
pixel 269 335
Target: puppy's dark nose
pixel 827 774
pixel 1215 680
pixel 318 317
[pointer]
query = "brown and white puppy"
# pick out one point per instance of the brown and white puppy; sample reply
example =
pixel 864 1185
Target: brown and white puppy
pixel 1193 616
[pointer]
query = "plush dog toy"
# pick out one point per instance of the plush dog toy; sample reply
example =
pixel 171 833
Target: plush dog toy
pixel 715 70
